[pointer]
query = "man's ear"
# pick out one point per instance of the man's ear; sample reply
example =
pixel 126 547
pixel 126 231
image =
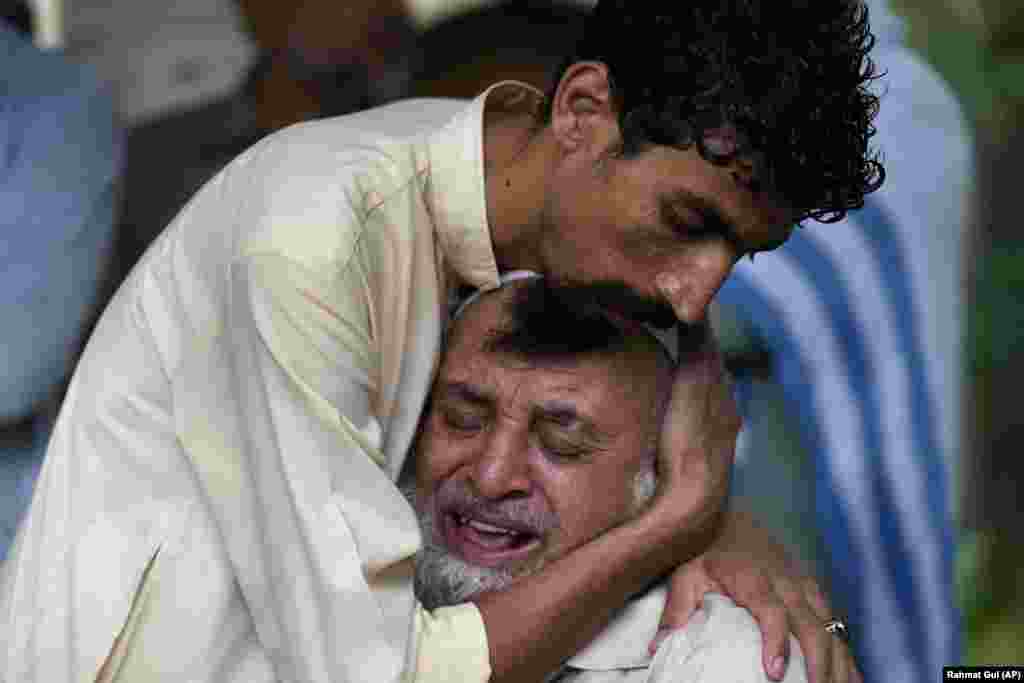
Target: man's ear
pixel 583 114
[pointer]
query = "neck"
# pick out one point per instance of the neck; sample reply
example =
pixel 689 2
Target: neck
pixel 515 164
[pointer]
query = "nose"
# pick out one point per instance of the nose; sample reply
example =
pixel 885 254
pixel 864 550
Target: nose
pixel 501 469
pixel 694 282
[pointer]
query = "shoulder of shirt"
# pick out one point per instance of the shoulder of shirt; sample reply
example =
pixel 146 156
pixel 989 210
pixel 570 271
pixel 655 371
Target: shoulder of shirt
pixel 381 134
pixel 327 175
pixel 722 639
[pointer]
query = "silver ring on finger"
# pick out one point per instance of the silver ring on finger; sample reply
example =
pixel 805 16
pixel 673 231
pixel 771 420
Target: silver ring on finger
pixel 839 629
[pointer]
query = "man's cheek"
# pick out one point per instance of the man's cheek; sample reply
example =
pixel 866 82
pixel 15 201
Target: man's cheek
pixel 445 459
pixel 429 465
pixel 579 524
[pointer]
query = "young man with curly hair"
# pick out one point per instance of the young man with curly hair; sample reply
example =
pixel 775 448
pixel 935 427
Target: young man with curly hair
pixel 218 500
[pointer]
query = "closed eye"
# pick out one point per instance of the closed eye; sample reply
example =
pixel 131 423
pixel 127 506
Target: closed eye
pixel 461 407
pixel 708 228
pixel 566 438
pixel 560 446
pixel 463 419
pixel 694 222
pixel 692 217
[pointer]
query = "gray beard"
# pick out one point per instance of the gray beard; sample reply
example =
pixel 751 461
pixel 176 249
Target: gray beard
pixel 443 579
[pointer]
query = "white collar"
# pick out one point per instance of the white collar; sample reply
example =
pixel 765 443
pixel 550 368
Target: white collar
pixel 457 196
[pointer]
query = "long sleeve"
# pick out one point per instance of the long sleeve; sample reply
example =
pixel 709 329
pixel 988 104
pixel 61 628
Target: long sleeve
pixel 326 516
pixel 217 503
pixel 286 449
pixel 338 524
pixel 325 550
pixel 452 645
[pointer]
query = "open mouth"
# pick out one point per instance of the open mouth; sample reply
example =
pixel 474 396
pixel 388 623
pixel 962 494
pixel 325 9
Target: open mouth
pixel 486 544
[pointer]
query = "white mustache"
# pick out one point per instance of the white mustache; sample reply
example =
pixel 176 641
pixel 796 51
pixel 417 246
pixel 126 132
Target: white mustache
pixel 528 516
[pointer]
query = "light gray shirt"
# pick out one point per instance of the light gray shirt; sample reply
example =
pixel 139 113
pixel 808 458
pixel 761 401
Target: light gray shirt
pixel 721 643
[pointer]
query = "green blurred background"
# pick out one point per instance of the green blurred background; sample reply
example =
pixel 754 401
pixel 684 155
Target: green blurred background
pixel 978 46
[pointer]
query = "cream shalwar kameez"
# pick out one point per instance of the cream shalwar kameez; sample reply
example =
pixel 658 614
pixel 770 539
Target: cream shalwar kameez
pixel 217 502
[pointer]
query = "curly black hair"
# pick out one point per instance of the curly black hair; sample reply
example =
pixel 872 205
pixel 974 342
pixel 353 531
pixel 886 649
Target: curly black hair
pixel 791 76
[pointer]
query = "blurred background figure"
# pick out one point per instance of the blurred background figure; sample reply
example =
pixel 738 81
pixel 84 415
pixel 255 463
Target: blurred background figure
pixel 525 40
pixel 60 159
pixel 860 323
pixel 232 72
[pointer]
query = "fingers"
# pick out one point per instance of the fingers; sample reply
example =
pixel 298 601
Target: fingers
pixel 774 620
pixel 843 665
pixel 808 611
pixel 829 659
pixel 759 575
pixel 686 589
pixel 815 597
pixel 815 642
pixel 841 662
pixel 756 592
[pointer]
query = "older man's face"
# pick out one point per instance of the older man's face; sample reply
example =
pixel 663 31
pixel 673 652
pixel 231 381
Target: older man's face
pixel 518 463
